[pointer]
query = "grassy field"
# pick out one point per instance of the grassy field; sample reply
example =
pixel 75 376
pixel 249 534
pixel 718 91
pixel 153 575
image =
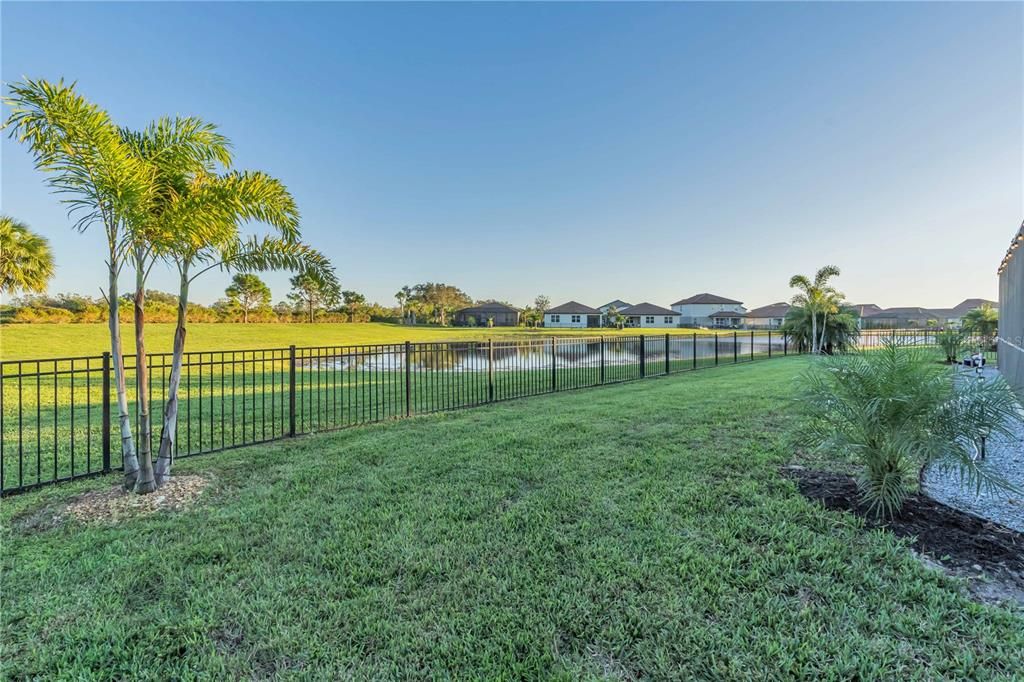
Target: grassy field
pixel 26 341
pixel 50 417
pixel 635 531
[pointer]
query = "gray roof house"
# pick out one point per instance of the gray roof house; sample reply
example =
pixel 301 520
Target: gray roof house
pixel 572 314
pixel 696 310
pixel 650 315
pixel 768 316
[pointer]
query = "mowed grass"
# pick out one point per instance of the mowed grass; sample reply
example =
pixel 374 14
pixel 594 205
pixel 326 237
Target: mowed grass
pixel 634 531
pixel 29 341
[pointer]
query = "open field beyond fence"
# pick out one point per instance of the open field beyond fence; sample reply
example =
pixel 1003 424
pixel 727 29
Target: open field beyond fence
pixel 56 424
pixel 53 415
pixel 28 341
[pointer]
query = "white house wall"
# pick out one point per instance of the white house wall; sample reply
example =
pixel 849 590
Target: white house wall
pixel 700 313
pixel 565 321
pixel 659 322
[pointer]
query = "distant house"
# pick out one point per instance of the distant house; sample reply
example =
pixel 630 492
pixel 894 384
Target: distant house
pixel 954 316
pixel 573 315
pixel 900 318
pixel 767 317
pixel 502 315
pixel 727 319
pixel 650 315
pixel 897 318
pixel 863 309
pixel 618 304
pixel 696 311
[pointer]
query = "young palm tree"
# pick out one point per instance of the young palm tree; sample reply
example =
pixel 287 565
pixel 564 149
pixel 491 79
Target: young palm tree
pixel 87 160
pixel 26 263
pixel 983 322
pixel 895 410
pixel 839 331
pixel 818 297
pixel 208 216
pixel 172 149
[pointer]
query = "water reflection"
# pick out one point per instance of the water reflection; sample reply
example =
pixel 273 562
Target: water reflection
pixel 539 354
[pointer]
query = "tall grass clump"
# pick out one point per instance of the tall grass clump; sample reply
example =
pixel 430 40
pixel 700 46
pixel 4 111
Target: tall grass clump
pixel 894 410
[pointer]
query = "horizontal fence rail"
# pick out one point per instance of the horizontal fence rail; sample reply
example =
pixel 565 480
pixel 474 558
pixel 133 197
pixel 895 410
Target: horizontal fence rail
pixel 59 417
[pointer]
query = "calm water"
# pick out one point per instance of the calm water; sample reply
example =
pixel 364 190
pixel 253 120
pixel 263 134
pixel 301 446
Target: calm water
pixel 538 355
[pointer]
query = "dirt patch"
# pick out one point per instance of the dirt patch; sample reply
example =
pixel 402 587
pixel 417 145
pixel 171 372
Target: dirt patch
pixel 114 504
pixel 989 555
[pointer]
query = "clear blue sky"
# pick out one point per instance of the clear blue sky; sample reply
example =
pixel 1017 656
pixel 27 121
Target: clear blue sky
pixel 583 151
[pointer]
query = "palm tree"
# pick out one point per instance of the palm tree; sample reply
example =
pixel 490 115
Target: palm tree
pixel 173 149
pixel 88 161
pixel 818 297
pixel 208 215
pixel 839 330
pixel 403 298
pixel 26 263
pixel 983 322
pixel 895 411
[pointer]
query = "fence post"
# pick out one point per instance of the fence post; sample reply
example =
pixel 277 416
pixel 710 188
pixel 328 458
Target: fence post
pixel 694 350
pixel 735 349
pixel 785 344
pixel 602 359
pixel 716 349
pixel 490 370
pixel 554 367
pixel 667 366
pixel 291 390
pixel 643 356
pixel 408 379
pixel 106 412
pixel 769 344
pixel 751 344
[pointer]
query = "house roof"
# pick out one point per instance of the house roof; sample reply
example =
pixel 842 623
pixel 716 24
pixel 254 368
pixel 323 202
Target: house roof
pixel 647 309
pixel 865 309
pixel 489 307
pixel 572 308
pixel 773 310
pixel 727 314
pixel 707 298
pixel 968 304
pixel 618 303
pixel 904 312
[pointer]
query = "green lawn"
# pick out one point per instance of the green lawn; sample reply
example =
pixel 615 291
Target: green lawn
pixel 27 341
pixel 635 531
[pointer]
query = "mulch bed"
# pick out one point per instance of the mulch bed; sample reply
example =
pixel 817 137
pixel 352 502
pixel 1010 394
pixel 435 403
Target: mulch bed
pixel 963 544
pixel 114 504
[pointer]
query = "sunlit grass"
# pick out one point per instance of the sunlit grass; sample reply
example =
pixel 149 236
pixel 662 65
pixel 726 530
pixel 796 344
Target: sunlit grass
pixel 640 531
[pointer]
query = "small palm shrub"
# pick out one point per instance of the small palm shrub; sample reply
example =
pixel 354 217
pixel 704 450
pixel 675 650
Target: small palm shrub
pixel 951 341
pixel 894 410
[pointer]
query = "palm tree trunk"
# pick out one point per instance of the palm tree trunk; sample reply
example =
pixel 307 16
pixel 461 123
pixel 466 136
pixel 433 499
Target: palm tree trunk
pixel 170 426
pixel 824 326
pixel 128 456
pixel 145 482
pixel 814 332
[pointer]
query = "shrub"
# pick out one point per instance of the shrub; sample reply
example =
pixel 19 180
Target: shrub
pixel 951 341
pixel 894 410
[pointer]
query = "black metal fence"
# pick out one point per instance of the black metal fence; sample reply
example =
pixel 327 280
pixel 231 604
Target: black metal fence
pixel 59 417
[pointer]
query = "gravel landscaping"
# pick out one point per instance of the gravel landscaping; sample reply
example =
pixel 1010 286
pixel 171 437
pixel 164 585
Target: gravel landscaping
pixel 1005 458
